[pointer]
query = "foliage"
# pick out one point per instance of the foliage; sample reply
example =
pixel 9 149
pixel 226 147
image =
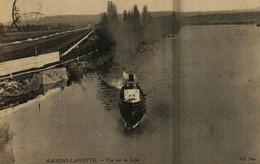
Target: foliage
pixel 107 22
pixel 112 13
pixel 137 28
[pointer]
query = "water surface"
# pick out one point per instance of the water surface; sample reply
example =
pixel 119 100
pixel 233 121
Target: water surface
pixel 82 120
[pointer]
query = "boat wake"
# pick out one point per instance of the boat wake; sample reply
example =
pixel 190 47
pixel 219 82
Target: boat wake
pixel 117 83
pixel 112 82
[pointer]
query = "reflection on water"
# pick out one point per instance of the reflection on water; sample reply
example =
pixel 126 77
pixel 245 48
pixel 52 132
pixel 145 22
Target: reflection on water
pixel 13 101
pixel 46 88
pixel 21 102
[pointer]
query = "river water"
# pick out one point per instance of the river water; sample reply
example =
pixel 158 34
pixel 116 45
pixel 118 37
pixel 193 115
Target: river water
pixel 220 93
pixel 82 120
pixel 202 91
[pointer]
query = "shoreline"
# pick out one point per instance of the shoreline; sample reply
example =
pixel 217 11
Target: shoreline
pixel 220 24
pixel 24 88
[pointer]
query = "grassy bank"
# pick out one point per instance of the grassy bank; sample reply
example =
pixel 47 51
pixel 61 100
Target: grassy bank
pixel 218 18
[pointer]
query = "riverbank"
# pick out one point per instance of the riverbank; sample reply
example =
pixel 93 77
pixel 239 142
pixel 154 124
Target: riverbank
pixel 220 18
pixel 26 87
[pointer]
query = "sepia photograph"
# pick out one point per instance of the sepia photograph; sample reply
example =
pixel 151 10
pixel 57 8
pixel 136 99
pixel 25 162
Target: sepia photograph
pixel 129 81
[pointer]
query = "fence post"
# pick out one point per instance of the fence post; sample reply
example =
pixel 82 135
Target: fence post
pixel 36 52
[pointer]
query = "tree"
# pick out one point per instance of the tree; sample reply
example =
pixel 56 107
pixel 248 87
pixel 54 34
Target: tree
pixel 104 20
pixel 136 13
pixel 112 12
pixel 146 16
pixel 125 15
pixel 104 32
pixel 145 12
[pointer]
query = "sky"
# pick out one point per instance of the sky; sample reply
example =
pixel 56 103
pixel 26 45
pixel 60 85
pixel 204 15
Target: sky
pixel 77 7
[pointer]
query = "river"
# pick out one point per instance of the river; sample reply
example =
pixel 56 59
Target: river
pixel 220 93
pixel 202 91
pixel 82 120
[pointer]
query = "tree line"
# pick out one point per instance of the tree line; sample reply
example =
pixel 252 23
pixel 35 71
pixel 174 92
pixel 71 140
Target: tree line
pixel 142 27
pixel 36 27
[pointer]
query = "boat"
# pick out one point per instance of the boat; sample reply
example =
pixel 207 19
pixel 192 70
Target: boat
pixel 171 35
pixel 131 102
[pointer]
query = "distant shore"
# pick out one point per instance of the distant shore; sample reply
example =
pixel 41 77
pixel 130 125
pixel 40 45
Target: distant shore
pixel 232 18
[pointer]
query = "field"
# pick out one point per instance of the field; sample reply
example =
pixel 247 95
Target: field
pixel 78 21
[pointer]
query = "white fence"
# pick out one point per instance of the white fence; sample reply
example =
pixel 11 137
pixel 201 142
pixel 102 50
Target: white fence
pixel 23 64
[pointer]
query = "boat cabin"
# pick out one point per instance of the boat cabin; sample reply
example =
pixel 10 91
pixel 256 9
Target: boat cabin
pixel 131 92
